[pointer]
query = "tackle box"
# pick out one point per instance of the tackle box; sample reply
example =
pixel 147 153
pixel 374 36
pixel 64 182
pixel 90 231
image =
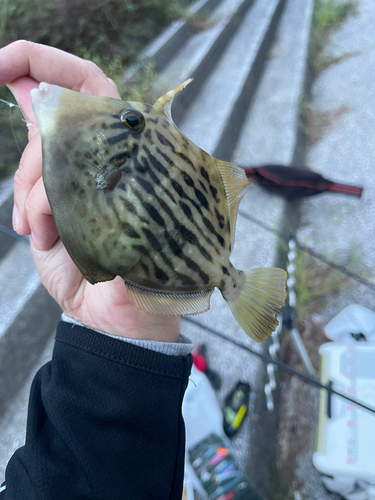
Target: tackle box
pixel 345 441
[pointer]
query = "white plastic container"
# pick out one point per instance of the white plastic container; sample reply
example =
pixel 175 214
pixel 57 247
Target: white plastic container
pixel 353 321
pixel 345 443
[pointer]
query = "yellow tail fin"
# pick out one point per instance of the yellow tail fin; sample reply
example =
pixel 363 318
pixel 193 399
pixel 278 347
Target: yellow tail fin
pixel 261 297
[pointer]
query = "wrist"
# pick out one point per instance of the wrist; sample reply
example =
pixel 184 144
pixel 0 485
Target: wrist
pixel 143 326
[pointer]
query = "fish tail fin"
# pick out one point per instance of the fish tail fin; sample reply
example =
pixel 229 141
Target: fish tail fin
pixel 262 295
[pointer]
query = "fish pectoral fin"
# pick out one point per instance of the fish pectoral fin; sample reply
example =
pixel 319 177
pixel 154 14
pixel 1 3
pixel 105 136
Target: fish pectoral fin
pixel 262 295
pixel 235 181
pixel 164 103
pixel 169 303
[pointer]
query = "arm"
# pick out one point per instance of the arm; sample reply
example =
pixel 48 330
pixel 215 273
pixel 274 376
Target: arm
pixel 101 404
pixel 104 422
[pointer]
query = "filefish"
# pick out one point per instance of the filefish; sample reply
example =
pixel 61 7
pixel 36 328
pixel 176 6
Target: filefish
pixel 131 196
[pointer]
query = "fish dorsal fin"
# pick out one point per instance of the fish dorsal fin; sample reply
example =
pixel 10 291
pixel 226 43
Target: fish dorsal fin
pixel 235 181
pixel 169 303
pixel 164 103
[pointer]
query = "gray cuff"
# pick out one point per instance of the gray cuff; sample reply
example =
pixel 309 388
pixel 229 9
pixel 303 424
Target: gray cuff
pixel 182 348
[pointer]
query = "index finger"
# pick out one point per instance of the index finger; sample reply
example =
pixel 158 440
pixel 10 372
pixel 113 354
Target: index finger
pixel 51 65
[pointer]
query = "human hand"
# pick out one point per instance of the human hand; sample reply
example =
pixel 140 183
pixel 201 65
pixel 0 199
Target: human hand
pixel 104 306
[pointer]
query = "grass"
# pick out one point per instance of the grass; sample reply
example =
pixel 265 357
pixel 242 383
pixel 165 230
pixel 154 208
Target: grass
pixel 328 17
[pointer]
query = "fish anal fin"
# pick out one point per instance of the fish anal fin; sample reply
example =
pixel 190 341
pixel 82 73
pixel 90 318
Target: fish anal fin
pixel 165 303
pixel 164 103
pixel 235 181
pixel 261 297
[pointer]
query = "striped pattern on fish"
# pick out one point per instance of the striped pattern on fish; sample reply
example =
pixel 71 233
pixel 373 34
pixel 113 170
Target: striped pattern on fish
pixel 132 196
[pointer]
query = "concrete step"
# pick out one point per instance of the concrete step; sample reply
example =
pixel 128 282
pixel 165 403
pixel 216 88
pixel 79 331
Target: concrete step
pixel 28 315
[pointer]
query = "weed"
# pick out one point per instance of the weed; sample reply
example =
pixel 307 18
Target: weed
pixel 328 16
pixel 325 61
pixel 201 21
pixel 314 123
pixel 140 87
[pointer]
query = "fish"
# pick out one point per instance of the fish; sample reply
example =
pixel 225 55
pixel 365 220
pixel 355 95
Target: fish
pixel 131 196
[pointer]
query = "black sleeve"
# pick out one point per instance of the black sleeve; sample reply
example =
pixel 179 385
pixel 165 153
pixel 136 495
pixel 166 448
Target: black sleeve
pixel 104 423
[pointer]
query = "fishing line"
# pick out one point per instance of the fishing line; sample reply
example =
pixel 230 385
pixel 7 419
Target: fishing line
pixel 13 234
pixel 309 251
pixel 13 105
pixel 265 358
pixel 282 366
pixel 14 133
pixel 303 248
pixel 10 104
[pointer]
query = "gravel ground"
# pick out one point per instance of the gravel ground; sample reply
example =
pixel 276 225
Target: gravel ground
pixel 340 227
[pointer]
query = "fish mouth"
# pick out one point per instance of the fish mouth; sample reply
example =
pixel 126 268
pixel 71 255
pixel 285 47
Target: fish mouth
pixel 45 94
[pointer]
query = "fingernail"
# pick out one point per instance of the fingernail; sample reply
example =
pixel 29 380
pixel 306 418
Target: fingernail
pixel 32 129
pixel 16 218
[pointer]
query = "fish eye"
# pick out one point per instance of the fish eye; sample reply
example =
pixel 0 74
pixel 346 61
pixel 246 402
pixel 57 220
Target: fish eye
pixel 134 120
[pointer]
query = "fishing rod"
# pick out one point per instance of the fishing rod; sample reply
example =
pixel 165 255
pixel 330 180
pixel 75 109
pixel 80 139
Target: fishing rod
pixel 303 248
pixel 282 366
pixel 264 357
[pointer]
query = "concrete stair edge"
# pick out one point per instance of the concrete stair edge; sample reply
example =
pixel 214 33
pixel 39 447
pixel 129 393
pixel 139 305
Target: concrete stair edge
pixel 210 52
pixel 164 47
